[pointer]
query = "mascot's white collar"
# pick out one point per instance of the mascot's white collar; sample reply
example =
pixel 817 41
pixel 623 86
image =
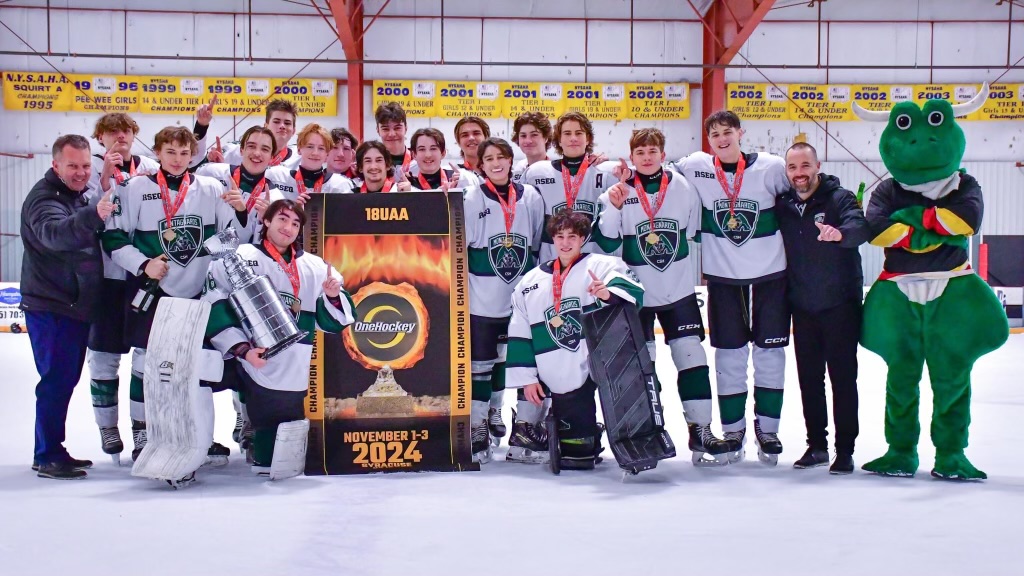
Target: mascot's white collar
pixel 936 188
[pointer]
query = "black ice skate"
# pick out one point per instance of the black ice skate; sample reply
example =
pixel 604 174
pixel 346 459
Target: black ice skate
pixel 768 445
pixel 481 443
pixel 138 438
pixel 110 438
pixel 182 482
pixel 217 455
pixel 706 449
pixel 528 443
pixel 736 440
pixel 495 425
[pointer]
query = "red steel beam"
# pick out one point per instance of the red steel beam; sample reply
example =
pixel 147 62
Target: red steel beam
pixel 348 19
pixel 340 10
pixel 748 28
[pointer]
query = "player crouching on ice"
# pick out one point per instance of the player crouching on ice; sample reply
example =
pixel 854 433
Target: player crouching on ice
pixel 275 389
pixel 546 346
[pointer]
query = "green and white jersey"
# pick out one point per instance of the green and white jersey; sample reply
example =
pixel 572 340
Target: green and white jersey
pixel 289 370
pixel 136 231
pixel 284 180
pixel 494 267
pixel 143 164
pixel 557 355
pixel 233 155
pixel 224 173
pixel 466 179
pixel 743 246
pixel 546 177
pixel 663 266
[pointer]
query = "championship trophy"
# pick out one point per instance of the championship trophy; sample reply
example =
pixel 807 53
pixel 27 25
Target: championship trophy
pixel 266 321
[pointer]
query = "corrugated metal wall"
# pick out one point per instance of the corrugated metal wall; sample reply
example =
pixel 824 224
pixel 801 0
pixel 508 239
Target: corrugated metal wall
pixel 1002 182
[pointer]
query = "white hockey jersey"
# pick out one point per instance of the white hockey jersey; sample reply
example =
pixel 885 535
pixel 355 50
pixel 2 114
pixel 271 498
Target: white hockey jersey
pixel 284 181
pixel 546 177
pixel 233 155
pixel 557 355
pixel 663 266
pixel 143 165
pixel 743 246
pixel 495 267
pixel 247 183
pixel 136 231
pixel 466 180
pixel 289 370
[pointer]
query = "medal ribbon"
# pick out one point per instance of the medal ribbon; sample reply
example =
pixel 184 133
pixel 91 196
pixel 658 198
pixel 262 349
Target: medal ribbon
pixel 279 157
pixel 256 192
pixel 119 176
pixel 659 199
pixel 300 182
pixel 508 209
pixel 406 161
pixel 290 268
pixel 556 282
pixel 388 183
pixel 737 182
pixel 572 185
pixel 165 196
pixel 424 185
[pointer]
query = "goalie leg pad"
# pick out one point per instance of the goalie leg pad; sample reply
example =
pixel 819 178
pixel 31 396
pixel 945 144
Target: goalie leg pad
pixel 290 450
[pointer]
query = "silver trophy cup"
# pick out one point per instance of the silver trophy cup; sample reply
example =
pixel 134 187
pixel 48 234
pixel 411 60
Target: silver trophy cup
pixel 265 319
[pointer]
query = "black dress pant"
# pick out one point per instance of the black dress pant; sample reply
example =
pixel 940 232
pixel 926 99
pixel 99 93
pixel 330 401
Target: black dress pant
pixel 828 340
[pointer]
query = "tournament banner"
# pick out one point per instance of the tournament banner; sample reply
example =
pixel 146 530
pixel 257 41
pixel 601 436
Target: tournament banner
pixel 416 97
pixel 758 101
pixel 392 392
pixel 880 97
pixel 821 102
pixel 37 91
pixel 520 97
pixel 1005 102
pixel 596 101
pixel 312 97
pixel 102 94
pixel 657 101
pixel 461 99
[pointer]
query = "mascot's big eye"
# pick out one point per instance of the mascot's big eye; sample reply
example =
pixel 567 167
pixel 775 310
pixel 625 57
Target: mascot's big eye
pixel 935 118
pixel 903 121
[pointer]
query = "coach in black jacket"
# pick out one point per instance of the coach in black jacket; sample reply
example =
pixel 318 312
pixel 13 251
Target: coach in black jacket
pixel 822 227
pixel 61 275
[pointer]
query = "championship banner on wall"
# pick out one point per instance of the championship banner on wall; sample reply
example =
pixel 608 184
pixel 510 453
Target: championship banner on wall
pixel 520 97
pixel 657 101
pixel 1005 102
pixel 758 101
pixel 461 99
pixel 596 101
pixel 392 392
pixel 417 98
pixel 37 91
pixel 821 102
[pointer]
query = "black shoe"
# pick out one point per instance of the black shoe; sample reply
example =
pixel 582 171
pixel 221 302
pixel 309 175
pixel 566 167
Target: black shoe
pixel 813 458
pixel 843 464
pixel 60 471
pixel 74 463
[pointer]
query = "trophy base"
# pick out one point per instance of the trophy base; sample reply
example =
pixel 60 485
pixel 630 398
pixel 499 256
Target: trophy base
pixel 384 405
pixel 284 344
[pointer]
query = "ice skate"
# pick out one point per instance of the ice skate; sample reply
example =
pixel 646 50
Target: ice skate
pixel 236 434
pixel 217 455
pixel 528 444
pixel 768 445
pixel 706 449
pixel 138 438
pixel 736 441
pixel 482 448
pixel 182 482
pixel 495 425
pixel 110 438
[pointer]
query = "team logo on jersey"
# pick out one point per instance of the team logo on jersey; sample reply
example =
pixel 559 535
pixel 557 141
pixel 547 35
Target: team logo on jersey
pixel 186 241
pixel 737 224
pixel 508 256
pixel 584 206
pixel 291 302
pixel 569 333
pixel 658 250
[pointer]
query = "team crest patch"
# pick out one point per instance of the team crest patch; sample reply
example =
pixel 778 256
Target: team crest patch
pixel 658 250
pixel 739 224
pixel 588 208
pixel 569 333
pixel 508 256
pixel 187 239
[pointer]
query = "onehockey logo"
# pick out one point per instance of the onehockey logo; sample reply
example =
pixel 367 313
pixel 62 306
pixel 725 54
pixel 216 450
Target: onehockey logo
pixel 738 223
pixel 662 252
pixel 569 333
pixel 588 208
pixel 508 256
pixel 187 239
pixel 387 327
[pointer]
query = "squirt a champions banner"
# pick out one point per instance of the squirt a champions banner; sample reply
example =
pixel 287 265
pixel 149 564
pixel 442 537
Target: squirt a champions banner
pixel 392 392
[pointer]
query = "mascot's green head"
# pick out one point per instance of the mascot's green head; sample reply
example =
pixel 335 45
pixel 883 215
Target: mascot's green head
pixel 922 144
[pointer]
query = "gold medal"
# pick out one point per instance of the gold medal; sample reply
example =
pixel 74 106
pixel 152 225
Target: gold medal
pixel 169 235
pixel 556 321
pixel 733 223
pixel 652 238
pixel 296 307
pixel 508 242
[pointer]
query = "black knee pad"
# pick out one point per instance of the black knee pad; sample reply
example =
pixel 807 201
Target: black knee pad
pixel 576 412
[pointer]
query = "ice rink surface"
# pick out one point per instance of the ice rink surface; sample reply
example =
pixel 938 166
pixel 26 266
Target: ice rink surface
pixel 518 519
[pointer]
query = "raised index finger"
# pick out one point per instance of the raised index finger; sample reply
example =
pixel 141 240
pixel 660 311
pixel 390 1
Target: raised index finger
pixel 594 276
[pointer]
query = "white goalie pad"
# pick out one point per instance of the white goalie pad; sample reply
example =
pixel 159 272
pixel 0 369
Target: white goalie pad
pixel 179 413
pixel 290 450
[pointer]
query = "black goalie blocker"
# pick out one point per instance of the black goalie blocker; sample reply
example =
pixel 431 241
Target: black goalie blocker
pixel 622 368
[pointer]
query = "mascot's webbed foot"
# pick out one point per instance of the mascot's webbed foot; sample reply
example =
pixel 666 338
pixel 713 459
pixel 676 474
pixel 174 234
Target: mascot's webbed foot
pixel 901 463
pixel 956 466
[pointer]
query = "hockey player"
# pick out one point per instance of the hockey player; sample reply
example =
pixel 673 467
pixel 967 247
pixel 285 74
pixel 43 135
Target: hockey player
pixel 376 170
pixel 574 181
pixel 532 133
pixel 157 235
pixel 469 133
pixel 429 150
pixel 282 116
pixel 275 389
pixel 342 159
pixel 652 216
pixel 745 266
pixel 391 127
pixel 310 176
pixel 546 346
pixel 258 148
pixel 503 230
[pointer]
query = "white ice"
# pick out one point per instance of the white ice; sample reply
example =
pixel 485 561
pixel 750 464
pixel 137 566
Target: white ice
pixel 518 519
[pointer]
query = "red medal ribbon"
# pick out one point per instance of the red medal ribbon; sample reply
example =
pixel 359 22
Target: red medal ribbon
pixel 406 161
pixel 556 282
pixel 280 157
pixel 388 183
pixel 256 192
pixel 300 183
pixel 508 209
pixel 572 184
pixel 659 199
pixel 424 185
pixel 165 196
pixel 290 268
pixel 737 182
pixel 119 176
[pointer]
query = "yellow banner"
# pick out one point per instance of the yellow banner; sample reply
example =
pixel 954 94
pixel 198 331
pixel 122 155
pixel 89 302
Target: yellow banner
pixel 926 92
pixel 312 97
pixel 879 97
pixel 821 102
pixel 461 99
pixel 237 96
pixel 657 101
pixel 170 95
pixel 417 98
pixel 1005 102
pixel 37 91
pixel 102 94
pixel 596 101
pixel 520 97
pixel 758 101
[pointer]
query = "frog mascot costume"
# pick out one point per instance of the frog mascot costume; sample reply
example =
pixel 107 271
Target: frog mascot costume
pixel 928 306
